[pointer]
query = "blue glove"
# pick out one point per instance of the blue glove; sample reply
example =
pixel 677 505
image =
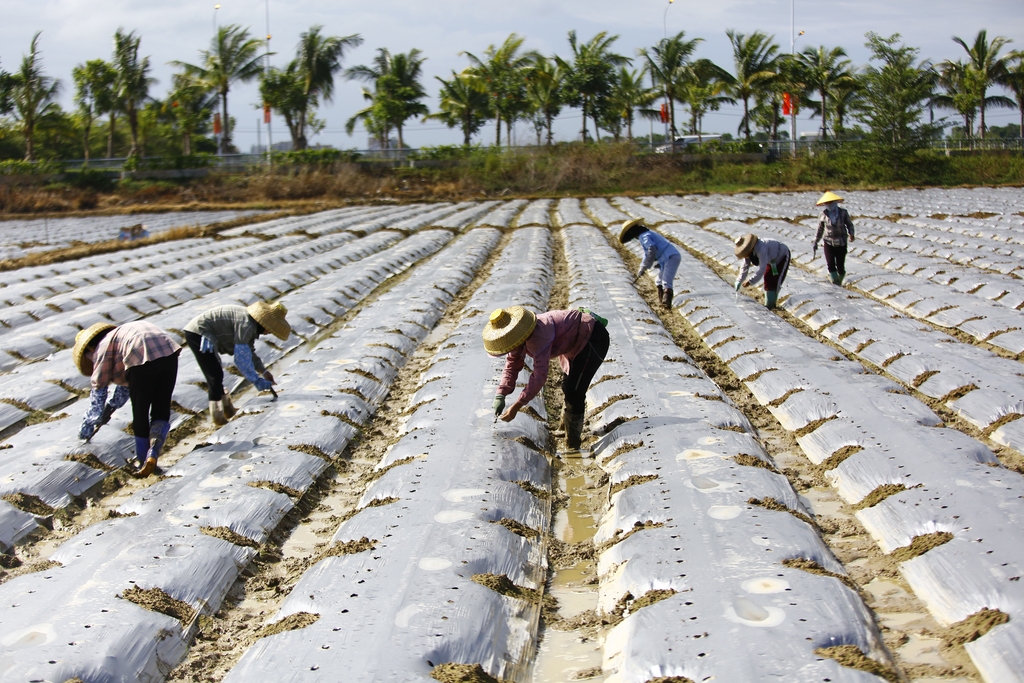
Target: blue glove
pixel 737 285
pixel 498 404
pixel 262 384
pixel 87 430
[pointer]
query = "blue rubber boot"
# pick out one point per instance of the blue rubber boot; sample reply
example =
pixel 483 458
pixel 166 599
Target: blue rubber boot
pixel 141 448
pixel 835 277
pixel 157 436
pixel 770 299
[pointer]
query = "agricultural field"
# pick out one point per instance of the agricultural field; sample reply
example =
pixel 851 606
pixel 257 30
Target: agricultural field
pixel 831 491
pixel 24 236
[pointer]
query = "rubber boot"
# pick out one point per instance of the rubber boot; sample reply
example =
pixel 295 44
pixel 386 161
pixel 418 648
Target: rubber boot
pixel 668 299
pixel 770 299
pixel 661 294
pixel 157 437
pixel 563 426
pixel 227 406
pixel 217 413
pixel 840 277
pixel 141 448
pixel 574 431
pixel 834 276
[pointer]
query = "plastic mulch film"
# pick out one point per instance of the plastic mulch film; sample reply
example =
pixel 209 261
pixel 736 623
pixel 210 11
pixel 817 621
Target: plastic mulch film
pixel 537 212
pixel 603 213
pixel 944 481
pixel 434 518
pixel 173 541
pixel 466 215
pixel 501 216
pixel 635 209
pixel 569 212
pixel 681 535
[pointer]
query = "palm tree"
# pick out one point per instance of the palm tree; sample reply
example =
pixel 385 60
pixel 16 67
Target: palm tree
pixel 990 68
pixel 589 77
pixel 233 57
pixel 283 90
pixel 962 93
pixel 825 72
pixel 1015 82
pixel 132 83
pixel 92 80
pixel 628 94
pixel 317 59
pixel 501 74
pixel 667 62
pixel 33 95
pixel 703 88
pixel 544 91
pixel 462 106
pixel 754 58
pixel 190 104
pixel 397 90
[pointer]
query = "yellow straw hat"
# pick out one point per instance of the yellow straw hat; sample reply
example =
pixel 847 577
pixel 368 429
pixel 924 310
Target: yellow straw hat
pixel 627 228
pixel 745 245
pixel 829 197
pixel 507 328
pixel 83 340
pixel 271 318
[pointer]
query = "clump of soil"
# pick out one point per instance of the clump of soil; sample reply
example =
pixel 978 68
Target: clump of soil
pixel 89 460
pixel 836 459
pixel 974 626
pixel 517 528
pixel 584 674
pixel 620 536
pixel 851 657
pixel 541 494
pixel 751 461
pixel 633 481
pixel 499 583
pixel 310 449
pixel 276 488
pixel 770 503
pixel 380 502
pixel 462 673
pixel 671 679
pixel 156 600
pixel 920 545
pixel 26 502
pixel 226 534
pixel 812 567
pixel 562 555
pixel 292 622
pixel 627 604
pixel 625 448
pixel 879 494
pixel 614 399
pixel 349 547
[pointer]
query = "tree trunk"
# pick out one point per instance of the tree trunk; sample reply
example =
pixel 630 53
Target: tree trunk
pixel 746 118
pixel 401 141
pixel 584 131
pixel 824 130
pixel 186 143
pixel 497 130
pixel 508 134
pixel 133 126
pixel 466 123
pixel 29 132
pixel 85 139
pixel 548 117
pixel 225 135
pixel 629 128
pixel 299 136
pixel 110 136
pixel 983 113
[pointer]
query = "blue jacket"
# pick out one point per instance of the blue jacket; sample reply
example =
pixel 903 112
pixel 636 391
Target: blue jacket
pixel 656 248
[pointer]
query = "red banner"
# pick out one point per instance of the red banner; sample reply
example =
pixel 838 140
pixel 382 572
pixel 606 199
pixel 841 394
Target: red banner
pixel 266 113
pixel 217 129
pixel 664 113
pixel 787 105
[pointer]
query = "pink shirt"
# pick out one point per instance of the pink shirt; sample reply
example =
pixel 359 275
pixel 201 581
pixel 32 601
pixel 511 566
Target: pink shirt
pixel 128 346
pixel 558 333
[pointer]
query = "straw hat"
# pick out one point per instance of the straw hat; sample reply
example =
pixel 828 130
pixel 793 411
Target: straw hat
pixel 628 232
pixel 271 318
pixel 83 340
pixel 745 245
pixel 828 197
pixel 507 328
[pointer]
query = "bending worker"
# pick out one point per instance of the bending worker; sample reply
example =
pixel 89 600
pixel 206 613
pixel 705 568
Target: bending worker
pixel 232 331
pixel 772 260
pixel 835 225
pixel 578 338
pixel 656 248
pixel 142 361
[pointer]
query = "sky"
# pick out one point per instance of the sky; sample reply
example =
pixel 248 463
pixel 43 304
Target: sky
pixel 74 31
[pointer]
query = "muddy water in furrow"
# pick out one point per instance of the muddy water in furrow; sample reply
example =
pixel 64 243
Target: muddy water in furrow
pixel 923 650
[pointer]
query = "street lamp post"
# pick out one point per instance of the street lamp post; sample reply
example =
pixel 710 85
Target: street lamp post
pixel 792 51
pixel 270 135
pixel 215 8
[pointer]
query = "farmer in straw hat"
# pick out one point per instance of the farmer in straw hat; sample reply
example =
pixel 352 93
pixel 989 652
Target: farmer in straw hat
pixel 232 331
pixel 656 248
pixel 142 361
pixel 835 225
pixel 772 260
pixel 578 338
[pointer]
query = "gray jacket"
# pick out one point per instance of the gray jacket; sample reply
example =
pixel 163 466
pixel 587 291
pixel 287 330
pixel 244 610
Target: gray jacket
pixel 226 326
pixel 768 252
pixel 835 233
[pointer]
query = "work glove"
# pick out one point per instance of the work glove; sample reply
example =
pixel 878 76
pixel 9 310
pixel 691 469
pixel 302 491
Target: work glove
pixel 498 404
pixel 814 251
pixel 87 430
pixel 737 285
pixel 851 238
pixel 262 384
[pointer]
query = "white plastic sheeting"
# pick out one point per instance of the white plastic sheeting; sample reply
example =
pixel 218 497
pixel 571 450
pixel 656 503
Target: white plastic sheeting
pixel 537 212
pixel 721 556
pixel 569 212
pixel 954 484
pixel 394 612
pixel 98 637
pixel 635 209
pixel 501 216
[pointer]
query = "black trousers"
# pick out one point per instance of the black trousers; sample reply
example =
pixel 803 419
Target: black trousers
pixel 209 363
pixel 835 258
pixel 150 386
pixel 582 369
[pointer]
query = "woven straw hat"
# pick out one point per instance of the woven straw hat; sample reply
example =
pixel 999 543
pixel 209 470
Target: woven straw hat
pixel 627 233
pixel 83 340
pixel 828 197
pixel 745 245
pixel 271 318
pixel 507 328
